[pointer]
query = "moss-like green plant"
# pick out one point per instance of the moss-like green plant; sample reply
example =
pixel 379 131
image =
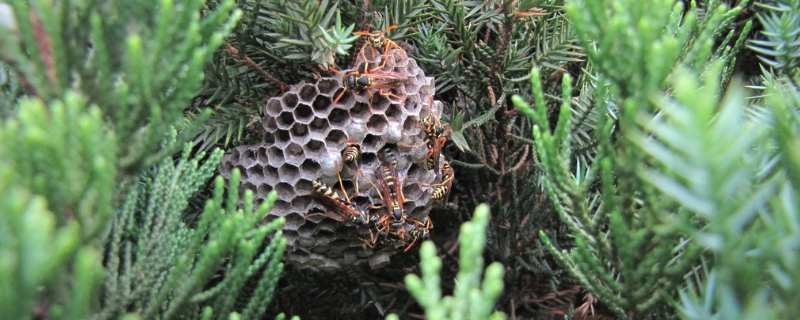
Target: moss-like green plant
pixel 57 170
pixel 471 299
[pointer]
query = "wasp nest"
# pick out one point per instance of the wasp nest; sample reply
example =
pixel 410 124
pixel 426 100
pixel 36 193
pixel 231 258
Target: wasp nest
pixel 305 137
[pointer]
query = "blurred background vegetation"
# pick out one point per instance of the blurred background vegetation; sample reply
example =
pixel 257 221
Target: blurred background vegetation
pixel 646 168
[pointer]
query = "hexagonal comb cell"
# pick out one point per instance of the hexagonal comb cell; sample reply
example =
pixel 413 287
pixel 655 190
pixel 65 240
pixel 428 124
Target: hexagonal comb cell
pixel 360 112
pixel 299 133
pixel 327 86
pixel 247 158
pixel 285 120
pixel 305 135
pixel 275 156
pixel 338 117
pixel 307 92
pixel 303 113
pixel 377 124
pixel 314 149
pixel 289 174
pixel 294 154
pixel 321 106
pixel 309 169
pixel 289 100
pixel 335 139
pixel 274 107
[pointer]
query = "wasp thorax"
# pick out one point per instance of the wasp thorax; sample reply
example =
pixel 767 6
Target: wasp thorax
pixel 363 82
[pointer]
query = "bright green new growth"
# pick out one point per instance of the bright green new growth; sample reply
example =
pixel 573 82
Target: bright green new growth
pixel 752 201
pixel 140 62
pixel 56 176
pixel 52 249
pixel 302 29
pixel 471 299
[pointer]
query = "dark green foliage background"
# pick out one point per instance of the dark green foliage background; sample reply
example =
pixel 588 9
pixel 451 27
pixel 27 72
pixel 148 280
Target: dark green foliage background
pixel 201 72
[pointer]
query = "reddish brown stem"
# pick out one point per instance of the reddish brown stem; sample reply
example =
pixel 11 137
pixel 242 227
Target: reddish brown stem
pixel 45 47
pixel 244 59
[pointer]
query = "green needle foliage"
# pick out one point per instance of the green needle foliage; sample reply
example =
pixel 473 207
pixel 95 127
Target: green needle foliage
pixel 781 48
pixel 138 61
pixel 63 151
pixel 57 170
pixel 754 231
pixel 160 267
pixel 93 95
pixel 57 182
pixel 471 299
pixel 624 255
pixel 679 200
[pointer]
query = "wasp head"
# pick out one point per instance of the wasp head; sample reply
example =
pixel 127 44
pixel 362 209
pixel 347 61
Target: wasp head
pixel 350 82
pixel 376 40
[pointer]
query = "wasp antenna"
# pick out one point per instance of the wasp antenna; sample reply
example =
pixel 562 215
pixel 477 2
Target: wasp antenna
pixel 332 69
pixel 390 28
pixel 338 97
pixel 410 245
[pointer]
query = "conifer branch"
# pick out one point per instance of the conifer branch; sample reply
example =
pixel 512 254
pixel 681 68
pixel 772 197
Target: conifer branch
pixel 244 59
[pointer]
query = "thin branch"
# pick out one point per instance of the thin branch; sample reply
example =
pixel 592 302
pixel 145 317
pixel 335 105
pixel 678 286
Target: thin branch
pixel 244 59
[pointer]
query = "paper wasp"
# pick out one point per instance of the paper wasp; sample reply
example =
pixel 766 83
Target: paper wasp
pixel 442 190
pixel 368 80
pixel 382 236
pixel 436 133
pixel 351 152
pixel 389 233
pixel 390 188
pixel 420 230
pixel 344 208
pixel 378 39
pixel 391 194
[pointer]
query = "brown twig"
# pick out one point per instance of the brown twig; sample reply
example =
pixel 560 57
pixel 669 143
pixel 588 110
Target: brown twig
pixel 45 47
pixel 385 285
pixel 452 249
pixel 501 115
pixel 244 59
pixel 513 311
pixel 522 161
pixel 366 25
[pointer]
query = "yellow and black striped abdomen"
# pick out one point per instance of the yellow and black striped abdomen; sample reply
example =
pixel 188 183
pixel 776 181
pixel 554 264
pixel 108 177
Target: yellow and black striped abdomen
pixel 326 190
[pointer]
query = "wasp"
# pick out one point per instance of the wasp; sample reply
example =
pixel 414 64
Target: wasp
pixel 383 235
pixel 389 156
pixel 441 190
pixel 367 80
pixel 344 208
pixel 351 152
pixel 392 232
pixel 394 190
pixel 391 194
pixel 436 133
pixel 379 39
pixel 420 230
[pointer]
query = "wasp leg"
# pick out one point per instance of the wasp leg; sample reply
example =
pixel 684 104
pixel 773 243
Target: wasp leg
pixel 327 215
pixel 389 94
pixel 338 97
